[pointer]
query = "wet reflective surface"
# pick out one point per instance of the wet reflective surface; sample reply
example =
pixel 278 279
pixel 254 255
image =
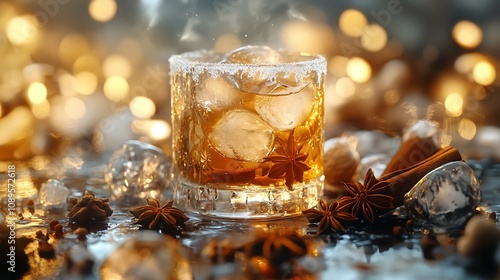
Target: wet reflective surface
pixel 370 254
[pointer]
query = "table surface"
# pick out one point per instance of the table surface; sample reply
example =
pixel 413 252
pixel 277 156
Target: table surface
pixel 352 255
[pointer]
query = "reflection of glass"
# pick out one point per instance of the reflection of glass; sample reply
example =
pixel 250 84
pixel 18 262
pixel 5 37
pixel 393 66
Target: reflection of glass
pixel 247 132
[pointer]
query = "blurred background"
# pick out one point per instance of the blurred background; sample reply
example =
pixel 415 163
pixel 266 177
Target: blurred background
pixel 82 77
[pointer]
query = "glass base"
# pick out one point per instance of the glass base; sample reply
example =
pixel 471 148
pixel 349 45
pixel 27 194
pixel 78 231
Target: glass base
pixel 247 202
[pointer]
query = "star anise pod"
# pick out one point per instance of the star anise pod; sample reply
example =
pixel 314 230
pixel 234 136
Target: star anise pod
pixel 368 198
pixel 166 218
pixel 330 216
pixel 277 246
pixel 89 210
pixel 289 162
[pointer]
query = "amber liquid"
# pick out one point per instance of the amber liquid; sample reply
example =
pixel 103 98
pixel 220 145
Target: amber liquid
pixel 201 158
pixel 242 153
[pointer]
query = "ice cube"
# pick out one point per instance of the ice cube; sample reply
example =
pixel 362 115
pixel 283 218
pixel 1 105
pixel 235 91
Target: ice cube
pixel 242 135
pixel 285 112
pixel 376 162
pixel 136 171
pixel 216 92
pixel 259 55
pixel 249 78
pixel 53 195
pixel 147 255
pixel 446 197
pixel 422 129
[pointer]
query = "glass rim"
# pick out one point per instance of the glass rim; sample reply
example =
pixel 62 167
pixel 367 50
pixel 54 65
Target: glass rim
pixel 187 62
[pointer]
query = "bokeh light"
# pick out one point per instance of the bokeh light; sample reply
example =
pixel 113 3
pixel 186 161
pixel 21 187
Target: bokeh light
pixel 116 65
pixel 85 83
pixel 41 110
pixel 37 93
pixel 392 96
pixel 358 70
pixel 159 130
pixel 116 88
pixel 352 22
pixel 102 10
pixel 345 88
pixel 72 46
pixel 450 83
pixel 467 34
pixel 467 129
pixel 67 85
pixel 484 73
pixel 22 30
pixel 227 42
pixel 337 65
pixel 374 38
pixel 132 49
pixel 74 108
pixel 454 105
pixel 465 63
pixel 89 63
pixel 142 107
pixel 308 37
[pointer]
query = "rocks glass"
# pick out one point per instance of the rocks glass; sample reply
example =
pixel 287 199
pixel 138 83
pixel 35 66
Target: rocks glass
pixel 247 132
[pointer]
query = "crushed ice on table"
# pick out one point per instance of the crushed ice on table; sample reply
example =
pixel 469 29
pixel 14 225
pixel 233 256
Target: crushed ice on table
pixel 287 111
pixel 376 162
pixel 53 195
pixel 242 135
pixel 445 198
pixel 136 171
pixel 422 129
pixel 147 255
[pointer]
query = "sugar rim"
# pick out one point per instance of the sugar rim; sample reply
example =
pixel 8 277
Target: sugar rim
pixel 187 62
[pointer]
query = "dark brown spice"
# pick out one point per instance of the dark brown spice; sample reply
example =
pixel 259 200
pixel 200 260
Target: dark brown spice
pixel 410 153
pixel 429 243
pixel 367 199
pixel 81 234
pixel 277 246
pixel 46 250
pixel 58 231
pixel 52 224
pixel 329 217
pixel 492 216
pixel 289 162
pixel 89 210
pixel 31 206
pixel 166 218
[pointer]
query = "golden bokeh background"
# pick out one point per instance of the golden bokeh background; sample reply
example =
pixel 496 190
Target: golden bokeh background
pixel 79 74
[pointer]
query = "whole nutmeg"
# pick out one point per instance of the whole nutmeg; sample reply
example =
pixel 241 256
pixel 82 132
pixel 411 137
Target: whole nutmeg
pixel 341 160
pixel 480 238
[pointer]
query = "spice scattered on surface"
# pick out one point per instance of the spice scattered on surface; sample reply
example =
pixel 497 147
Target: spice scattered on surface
pixel 89 210
pixel 329 217
pixel 167 219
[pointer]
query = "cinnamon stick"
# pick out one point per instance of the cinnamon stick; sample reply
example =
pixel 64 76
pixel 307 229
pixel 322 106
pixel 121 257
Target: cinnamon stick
pixel 410 153
pixel 402 181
